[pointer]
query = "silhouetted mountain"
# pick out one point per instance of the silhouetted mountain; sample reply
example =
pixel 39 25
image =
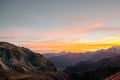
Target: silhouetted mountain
pixel 71 59
pixel 99 74
pixel 115 76
pixel 63 61
pixel 90 66
pixel 94 70
pixel 21 63
pixel 50 55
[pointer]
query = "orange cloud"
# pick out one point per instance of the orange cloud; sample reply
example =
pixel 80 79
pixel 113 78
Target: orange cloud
pixel 72 46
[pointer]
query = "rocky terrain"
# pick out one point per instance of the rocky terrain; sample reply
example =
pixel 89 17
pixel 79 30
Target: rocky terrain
pixel 19 63
pixel 22 63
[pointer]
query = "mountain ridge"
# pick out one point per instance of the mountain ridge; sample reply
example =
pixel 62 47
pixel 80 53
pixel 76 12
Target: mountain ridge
pixel 22 63
pixel 70 59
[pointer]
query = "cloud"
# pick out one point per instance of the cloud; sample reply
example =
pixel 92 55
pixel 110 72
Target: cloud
pixel 73 33
pixel 73 46
pixel 109 28
pixel 104 40
pixel 74 30
pixel 22 34
pixel 111 17
pixel 12 32
pixel 73 20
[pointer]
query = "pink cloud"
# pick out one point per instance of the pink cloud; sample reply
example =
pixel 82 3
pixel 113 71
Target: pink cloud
pixel 109 29
pixel 112 17
pixel 70 31
pixel 12 32
pixel 73 19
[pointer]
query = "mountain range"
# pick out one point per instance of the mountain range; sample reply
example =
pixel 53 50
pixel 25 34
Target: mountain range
pixel 70 59
pixel 19 63
pixel 86 66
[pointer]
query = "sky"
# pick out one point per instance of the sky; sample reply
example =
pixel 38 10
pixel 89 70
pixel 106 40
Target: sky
pixel 60 25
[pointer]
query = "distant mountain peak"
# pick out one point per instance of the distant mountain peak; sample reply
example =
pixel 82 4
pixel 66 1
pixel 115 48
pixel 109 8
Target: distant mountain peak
pixel 115 47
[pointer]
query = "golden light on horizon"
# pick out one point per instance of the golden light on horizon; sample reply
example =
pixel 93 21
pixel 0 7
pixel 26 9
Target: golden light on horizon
pixel 75 47
pixel 61 25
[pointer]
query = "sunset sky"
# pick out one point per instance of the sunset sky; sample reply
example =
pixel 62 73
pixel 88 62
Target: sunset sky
pixel 61 25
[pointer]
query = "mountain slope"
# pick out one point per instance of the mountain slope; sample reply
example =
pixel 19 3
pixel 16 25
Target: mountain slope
pixel 89 66
pixel 115 76
pixel 21 63
pixel 70 59
pixel 50 55
pixel 108 53
pixel 19 59
pixel 99 74
pixel 95 70
pixel 65 60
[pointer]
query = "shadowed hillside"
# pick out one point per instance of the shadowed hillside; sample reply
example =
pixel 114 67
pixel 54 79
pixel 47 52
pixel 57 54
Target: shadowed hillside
pixel 71 59
pixel 115 76
pixel 21 63
pixel 89 65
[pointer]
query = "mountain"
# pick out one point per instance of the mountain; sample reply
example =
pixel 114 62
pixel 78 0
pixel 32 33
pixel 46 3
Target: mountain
pixel 71 59
pixel 99 74
pixel 63 61
pixel 50 55
pixel 90 66
pixel 20 59
pixel 22 63
pixel 19 63
pixel 101 54
pixel 115 76
pixel 94 70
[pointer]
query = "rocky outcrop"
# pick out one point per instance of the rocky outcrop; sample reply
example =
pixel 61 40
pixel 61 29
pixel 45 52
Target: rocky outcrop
pixel 17 61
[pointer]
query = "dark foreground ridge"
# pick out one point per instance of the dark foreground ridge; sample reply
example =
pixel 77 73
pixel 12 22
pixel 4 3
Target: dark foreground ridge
pixel 114 77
